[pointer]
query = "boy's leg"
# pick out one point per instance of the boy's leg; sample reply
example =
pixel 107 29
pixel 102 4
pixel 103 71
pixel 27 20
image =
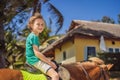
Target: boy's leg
pixel 47 69
pixel 43 67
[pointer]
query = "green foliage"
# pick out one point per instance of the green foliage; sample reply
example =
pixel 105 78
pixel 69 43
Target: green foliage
pixel 14 52
pixel 118 18
pixel 25 32
pixel 44 35
pixel 107 19
pixel 111 58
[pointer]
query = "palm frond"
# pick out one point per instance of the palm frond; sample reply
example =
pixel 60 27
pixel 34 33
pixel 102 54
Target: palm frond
pixel 45 1
pixel 57 15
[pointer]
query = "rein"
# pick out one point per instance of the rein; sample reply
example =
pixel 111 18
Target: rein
pixel 102 74
pixel 85 72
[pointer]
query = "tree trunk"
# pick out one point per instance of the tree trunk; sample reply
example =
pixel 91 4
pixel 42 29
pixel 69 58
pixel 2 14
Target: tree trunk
pixel 2 47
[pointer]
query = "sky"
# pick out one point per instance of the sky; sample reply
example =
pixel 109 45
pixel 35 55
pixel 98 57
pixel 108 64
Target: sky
pixel 86 10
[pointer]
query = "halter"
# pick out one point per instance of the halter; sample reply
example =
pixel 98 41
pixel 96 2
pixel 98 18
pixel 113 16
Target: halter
pixel 85 72
pixel 102 73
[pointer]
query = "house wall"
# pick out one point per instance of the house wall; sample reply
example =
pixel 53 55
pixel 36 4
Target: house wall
pixel 82 43
pixel 68 47
pixel 75 51
pixel 58 55
pixel 109 44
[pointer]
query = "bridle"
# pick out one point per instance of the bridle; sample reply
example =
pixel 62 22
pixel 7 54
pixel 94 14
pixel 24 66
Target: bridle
pixel 102 73
pixel 85 72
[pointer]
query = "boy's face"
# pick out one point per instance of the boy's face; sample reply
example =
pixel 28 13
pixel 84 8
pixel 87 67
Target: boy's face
pixel 38 26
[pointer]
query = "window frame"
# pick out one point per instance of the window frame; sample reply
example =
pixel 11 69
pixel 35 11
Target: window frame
pixel 86 56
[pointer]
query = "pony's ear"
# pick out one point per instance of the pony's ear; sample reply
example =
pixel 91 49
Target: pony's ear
pixel 109 66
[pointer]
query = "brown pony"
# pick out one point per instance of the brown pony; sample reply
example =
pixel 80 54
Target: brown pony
pixel 95 70
pixel 10 74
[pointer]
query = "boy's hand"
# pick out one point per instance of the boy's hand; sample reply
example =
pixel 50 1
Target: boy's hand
pixel 53 65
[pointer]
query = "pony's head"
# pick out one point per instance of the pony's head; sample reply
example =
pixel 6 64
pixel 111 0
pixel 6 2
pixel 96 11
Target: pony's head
pixel 103 68
pixel 104 71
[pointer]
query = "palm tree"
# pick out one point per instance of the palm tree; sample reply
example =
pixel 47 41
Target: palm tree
pixel 2 47
pixel 10 8
pixel 118 18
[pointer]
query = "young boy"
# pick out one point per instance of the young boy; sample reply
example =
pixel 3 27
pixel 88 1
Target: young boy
pixel 33 56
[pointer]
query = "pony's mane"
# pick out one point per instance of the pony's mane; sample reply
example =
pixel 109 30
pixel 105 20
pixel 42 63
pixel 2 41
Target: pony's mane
pixel 97 60
pixel 89 64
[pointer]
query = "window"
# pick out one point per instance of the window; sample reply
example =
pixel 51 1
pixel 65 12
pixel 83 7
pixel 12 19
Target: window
pixel 64 55
pixel 117 50
pixel 114 50
pixel 89 52
pixel 111 50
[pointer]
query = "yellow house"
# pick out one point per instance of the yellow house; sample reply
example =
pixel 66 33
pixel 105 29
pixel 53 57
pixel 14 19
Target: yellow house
pixel 85 39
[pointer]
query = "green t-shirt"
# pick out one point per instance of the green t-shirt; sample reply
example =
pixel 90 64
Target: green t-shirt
pixel 31 40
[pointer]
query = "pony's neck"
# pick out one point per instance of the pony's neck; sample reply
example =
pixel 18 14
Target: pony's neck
pixel 94 73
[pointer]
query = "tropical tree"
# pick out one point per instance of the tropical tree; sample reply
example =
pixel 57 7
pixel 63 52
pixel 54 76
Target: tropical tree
pixel 10 8
pixel 118 18
pixel 107 19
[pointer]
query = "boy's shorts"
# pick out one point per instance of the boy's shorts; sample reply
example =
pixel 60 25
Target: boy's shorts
pixel 42 66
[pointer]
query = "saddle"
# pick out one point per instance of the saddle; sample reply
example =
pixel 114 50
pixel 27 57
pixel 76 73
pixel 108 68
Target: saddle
pixel 30 68
pixel 63 73
pixel 34 70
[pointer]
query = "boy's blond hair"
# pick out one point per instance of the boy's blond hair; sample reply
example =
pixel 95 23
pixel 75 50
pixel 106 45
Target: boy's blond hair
pixel 33 18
